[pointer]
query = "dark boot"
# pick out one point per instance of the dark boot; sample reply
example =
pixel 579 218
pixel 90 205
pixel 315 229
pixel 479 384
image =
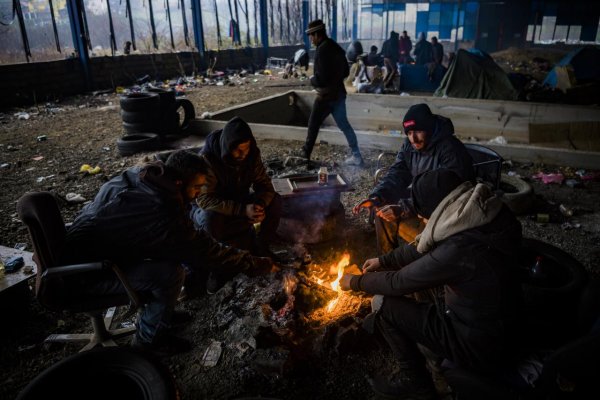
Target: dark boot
pixel 410 385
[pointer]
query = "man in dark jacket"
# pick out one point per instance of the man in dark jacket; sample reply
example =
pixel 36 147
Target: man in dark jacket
pixel 390 52
pixel 423 51
pixel 430 144
pixel 330 69
pixel 404 48
pixel 139 220
pixel 437 51
pixel 467 247
pixel 227 209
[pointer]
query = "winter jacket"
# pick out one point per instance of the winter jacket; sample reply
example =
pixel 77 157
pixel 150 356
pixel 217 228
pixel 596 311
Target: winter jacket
pixel 330 69
pixel 139 215
pixel 423 51
pixel 389 49
pixel 404 47
pixel 228 183
pixel 444 150
pixel 475 238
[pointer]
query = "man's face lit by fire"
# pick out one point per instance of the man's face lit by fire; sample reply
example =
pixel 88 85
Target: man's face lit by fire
pixel 241 151
pixel 418 139
pixel 193 188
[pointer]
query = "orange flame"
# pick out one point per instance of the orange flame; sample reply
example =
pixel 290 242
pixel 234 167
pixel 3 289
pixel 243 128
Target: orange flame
pixel 335 285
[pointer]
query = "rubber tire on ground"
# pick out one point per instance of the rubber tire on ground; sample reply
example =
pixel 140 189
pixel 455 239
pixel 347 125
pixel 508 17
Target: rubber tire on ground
pixel 136 102
pixel 520 197
pixel 103 373
pixel 139 117
pixel 142 127
pixel 138 142
pixel 550 310
pixel 190 113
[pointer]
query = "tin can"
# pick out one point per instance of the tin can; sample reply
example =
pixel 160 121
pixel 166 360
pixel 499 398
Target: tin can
pixel 323 176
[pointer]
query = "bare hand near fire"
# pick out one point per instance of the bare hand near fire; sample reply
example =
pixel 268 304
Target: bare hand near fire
pixel 255 213
pixel 390 213
pixel 368 203
pixel 345 281
pixel 371 265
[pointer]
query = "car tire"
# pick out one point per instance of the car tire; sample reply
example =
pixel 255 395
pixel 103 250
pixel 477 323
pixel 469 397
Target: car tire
pixel 138 142
pixel 516 194
pixel 104 373
pixel 140 102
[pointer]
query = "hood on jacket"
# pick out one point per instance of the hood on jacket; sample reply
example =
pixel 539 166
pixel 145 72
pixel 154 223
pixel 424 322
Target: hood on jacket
pixel 221 142
pixel 466 207
pixel 158 175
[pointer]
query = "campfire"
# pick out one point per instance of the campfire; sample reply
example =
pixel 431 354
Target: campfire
pixel 327 276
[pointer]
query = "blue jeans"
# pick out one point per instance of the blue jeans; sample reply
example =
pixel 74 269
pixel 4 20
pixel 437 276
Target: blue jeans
pixel 320 110
pixel 160 282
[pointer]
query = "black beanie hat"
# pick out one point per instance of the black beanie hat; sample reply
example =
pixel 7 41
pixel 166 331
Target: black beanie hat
pixel 430 188
pixel 419 118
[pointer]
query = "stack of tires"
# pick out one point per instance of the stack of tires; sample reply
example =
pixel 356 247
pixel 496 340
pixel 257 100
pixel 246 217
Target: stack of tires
pixel 151 119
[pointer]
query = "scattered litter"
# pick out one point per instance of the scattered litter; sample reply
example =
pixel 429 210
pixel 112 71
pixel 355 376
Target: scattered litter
pixel 566 211
pixel 205 115
pixel 86 168
pixel 28 270
pixel 549 178
pixel 498 140
pixel 23 348
pixel 22 115
pixel 106 148
pixel 4 165
pixel 13 264
pixel 404 94
pixel 40 179
pixel 120 90
pixel 20 246
pixel 220 83
pixel 572 183
pixel 513 173
pixel 42 138
pixel 74 198
pixel 212 354
pixel 567 226
pixel 38 158
pixel 127 324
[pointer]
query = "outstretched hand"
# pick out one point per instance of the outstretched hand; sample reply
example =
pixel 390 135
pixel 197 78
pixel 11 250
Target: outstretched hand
pixel 345 281
pixel 366 204
pixel 371 265
pixel 255 213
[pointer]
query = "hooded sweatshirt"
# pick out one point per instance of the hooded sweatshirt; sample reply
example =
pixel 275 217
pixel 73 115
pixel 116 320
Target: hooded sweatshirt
pixel 229 182
pixel 443 150
pixel 468 249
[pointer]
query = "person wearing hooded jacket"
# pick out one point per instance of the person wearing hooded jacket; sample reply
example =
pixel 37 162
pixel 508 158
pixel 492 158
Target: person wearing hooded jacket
pixel 430 144
pixel 468 247
pixel 139 220
pixel 239 192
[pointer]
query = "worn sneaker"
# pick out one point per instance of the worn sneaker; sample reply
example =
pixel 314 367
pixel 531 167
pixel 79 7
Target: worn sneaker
pixel 355 160
pixel 164 346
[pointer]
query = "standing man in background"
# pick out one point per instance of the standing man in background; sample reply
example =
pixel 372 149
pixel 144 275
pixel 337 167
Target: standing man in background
pixel 330 69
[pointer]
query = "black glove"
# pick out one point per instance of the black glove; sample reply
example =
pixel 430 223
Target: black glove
pixel 261 266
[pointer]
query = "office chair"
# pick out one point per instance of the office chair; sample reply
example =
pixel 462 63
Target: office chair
pixel 40 213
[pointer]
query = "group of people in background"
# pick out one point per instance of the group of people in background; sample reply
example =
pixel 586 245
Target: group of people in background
pixel 395 51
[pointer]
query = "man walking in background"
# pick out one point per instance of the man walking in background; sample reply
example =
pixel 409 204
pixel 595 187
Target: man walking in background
pixel 330 69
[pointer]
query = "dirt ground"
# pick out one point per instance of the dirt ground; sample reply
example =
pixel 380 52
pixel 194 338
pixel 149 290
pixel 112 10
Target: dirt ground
pixel 46 151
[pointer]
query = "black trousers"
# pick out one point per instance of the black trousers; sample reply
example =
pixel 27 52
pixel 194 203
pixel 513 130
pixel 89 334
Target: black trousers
pixel 403 323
